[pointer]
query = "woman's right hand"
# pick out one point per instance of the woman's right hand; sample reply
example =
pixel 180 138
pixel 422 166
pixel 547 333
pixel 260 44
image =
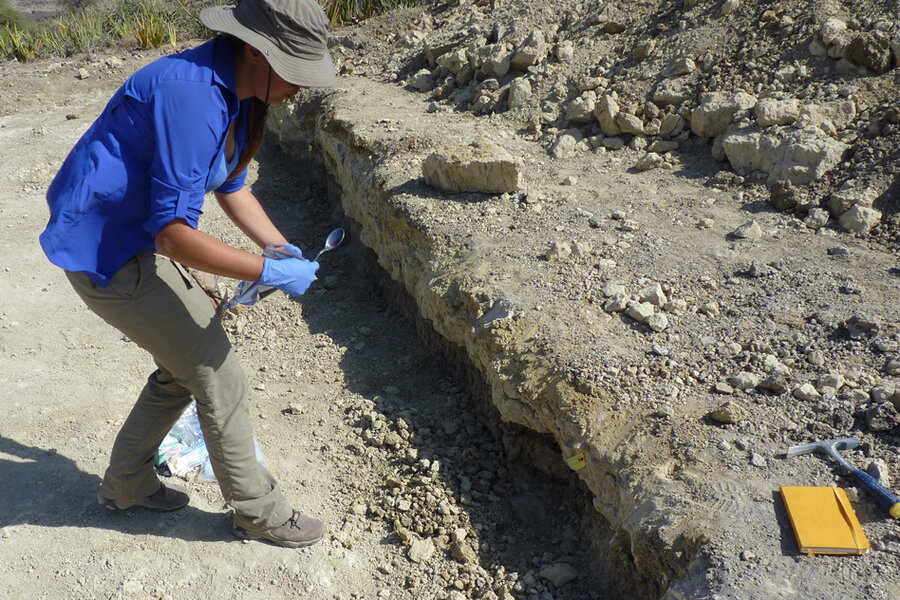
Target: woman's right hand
pixel 290 275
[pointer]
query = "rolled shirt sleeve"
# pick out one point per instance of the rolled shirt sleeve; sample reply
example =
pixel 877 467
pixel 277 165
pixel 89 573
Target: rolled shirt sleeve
pixel 233 185
pixel 188 137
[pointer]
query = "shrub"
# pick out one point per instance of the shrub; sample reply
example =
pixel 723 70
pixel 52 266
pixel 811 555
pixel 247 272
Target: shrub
pixel 87 27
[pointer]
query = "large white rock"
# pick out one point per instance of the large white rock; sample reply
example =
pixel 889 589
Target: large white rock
pixel 851 195
pixel 719 110
pixel 454 60
pixel 519 93
pixel 860 219
pixel 639 311
pixel 628 123
pixel 671 125
pixel 840 113
pixel 653 294
pixel 770 111
pixel 831 28
pixel 494 60
pixel 673 91
pixel 606 110
pixel 422 80
pixel 421 550
pixel 483 166
pixel 800 157
pixel 581 109
pixel 533 51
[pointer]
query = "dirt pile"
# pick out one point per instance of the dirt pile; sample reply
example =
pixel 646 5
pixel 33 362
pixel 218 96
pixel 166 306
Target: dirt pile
pixel 795 93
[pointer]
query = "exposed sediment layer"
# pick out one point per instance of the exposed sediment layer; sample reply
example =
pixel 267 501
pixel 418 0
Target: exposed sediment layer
pixel 472 267
pixel 458 293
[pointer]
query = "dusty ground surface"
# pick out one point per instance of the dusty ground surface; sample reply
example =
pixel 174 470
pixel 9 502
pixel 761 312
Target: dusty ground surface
pixel 332 370
pixel 317 368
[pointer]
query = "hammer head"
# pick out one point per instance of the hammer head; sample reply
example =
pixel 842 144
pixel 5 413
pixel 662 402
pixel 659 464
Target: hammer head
pixel 827 446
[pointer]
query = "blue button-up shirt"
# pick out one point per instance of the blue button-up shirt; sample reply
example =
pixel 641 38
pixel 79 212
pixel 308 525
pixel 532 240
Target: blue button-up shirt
pixel 148 159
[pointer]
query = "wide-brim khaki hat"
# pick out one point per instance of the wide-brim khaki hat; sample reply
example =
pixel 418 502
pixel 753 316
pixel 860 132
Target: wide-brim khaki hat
pixel 291 34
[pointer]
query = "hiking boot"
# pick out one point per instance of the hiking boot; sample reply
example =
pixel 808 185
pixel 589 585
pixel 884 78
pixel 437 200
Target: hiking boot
pixel 296 532
pixel 164 499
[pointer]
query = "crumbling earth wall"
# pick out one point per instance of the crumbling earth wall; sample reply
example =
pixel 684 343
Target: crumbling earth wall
pixel 548 291
pixel 653 530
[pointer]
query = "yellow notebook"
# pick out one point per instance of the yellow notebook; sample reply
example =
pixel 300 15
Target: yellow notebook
pixel 823 520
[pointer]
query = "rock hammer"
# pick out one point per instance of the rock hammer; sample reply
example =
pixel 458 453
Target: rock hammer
pixel 830 447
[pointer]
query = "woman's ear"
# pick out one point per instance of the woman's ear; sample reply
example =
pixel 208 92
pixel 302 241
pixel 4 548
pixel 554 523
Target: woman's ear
pixel 252 54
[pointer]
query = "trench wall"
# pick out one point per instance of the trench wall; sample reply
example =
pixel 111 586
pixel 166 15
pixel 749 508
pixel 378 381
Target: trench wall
pixel 647 538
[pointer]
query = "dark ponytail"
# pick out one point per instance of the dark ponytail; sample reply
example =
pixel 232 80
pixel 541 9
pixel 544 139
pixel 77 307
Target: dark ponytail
pixel 256 116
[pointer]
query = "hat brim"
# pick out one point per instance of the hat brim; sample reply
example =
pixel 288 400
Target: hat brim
pixel 298 71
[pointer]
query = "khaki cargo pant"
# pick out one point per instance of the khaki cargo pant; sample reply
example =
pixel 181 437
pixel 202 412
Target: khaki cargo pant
pixel 160 307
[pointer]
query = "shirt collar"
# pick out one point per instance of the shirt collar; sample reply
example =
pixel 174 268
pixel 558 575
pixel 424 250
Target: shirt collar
pixel 223 65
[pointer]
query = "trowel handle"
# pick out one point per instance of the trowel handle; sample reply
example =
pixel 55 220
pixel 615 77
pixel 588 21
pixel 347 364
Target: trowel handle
pixel 884 496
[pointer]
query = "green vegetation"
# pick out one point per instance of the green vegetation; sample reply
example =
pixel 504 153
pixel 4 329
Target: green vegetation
pixel 85 28
pixel 147 23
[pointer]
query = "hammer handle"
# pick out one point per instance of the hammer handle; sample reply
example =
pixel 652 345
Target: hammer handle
pixel 884 496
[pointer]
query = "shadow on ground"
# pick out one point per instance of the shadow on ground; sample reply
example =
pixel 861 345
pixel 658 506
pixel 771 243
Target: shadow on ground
pixel 47 489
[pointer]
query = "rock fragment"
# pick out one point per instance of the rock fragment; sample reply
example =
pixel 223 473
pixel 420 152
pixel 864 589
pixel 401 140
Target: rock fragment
pixel 483 166
pixel 640 311
pixel 798 156
pixel 653 294
pixel 729 413
pixel 463 552
pixel 776 112
pixel 519 93
pixel 606 110
pixel 879 471
pixel 422 81
pixel 860 219
pixel 421 550
pixel 882 417
pixel 559 574
pixel 744 380
pixel 719 110
pixel 658 322
pixel 806 392
pixel 748 231
pixel 532 51
pixel 870 51
pixel 723 388
pixel 649 161
pixel 777 384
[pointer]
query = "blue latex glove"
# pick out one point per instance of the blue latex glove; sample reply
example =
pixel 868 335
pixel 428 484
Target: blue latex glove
pixel 290 275
pixel 289 249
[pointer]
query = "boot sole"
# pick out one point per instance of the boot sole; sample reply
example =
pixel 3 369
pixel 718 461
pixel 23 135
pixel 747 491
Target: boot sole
pixel 115 506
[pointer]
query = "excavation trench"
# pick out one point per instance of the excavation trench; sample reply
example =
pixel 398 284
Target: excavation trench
pixel 452 288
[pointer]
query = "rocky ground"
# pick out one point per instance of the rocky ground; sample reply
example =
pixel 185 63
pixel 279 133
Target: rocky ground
pixel 364 425
pixel 702 240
